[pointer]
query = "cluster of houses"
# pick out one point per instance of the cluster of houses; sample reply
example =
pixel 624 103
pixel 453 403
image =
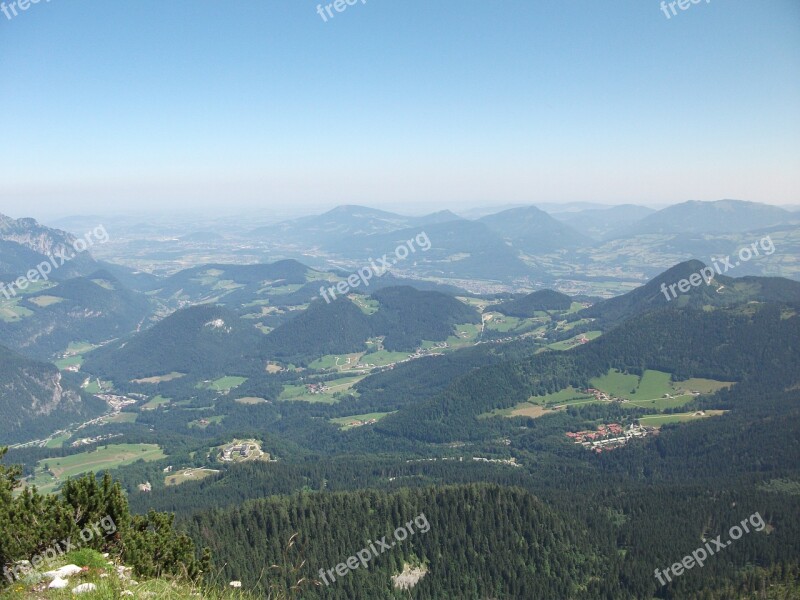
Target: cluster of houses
pixel 94 440
pixel 608 437
pixel 603 396
pixel 359 423
pixel 316 388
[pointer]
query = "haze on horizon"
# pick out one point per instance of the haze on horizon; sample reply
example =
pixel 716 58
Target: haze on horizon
pixel 160 107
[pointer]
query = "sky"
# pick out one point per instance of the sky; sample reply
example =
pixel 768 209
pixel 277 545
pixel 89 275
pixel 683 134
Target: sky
pixel 256 104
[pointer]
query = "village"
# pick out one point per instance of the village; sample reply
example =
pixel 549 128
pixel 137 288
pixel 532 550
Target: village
pixel 610 436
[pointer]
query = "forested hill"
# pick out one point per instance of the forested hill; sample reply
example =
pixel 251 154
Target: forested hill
pixel 204 340
pixel 91 309
pixel 407 316
pixel 402 315
pixel 719 292
pixel 725 344
pixel 527 306
pixel 481 542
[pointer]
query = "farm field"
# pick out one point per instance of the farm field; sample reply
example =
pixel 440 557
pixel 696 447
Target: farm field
pixel 345 423
pixel 538 406
pixel 102 459
pixel 381 358
pixel 223 384
pixel 185 475
pixel 466 335
pixel 659 420
pixel 251 400
pixel 206 421
pixel 58 441
pixel 160 378
pixel 70 361
pixel 574 341
pixel 341 362
pixel 123 417
pixel 505 324
pixel 302 392
pixel 155 402
pixel 45 301
pixel 655 389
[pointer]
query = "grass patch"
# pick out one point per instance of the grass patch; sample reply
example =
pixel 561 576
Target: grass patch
pixel 659 420
pixel 123 417
pixel 185 475
pixel 206 421
pixel 223 384
pixel 328 394
pixel 155 402
pixel 160 378
pixel 45 301
pixel 51 472
pixel 354 421
pixel 69 361
pixel 575 341
pixel 58 442
pixel 251 400
pixel 381 358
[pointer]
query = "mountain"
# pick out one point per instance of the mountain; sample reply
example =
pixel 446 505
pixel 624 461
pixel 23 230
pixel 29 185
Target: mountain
pixel 407 316
pixel 527 306
pixel 404 317
pixel 532 230
pixel 721 291
pixel 721 216
pixel 459 249
pixel 208 341
pixel 91 309
pixel 604 223
pixel 339 327
pixel 345 221
pixel 231 284
pixel 555 208
pixel 36 399
pixel 24 244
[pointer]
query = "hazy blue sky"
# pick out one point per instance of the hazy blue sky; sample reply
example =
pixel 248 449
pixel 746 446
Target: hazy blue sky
pixel 186 103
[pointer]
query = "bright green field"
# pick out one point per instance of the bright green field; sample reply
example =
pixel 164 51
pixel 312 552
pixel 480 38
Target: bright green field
pixel 343 421
pixel 70 361
pixel 466 334
pixel 155 402
pixel 566 396
pixel 336 361
pixel 659 420
pixel 573 342
pixel 616 383
pixel 223 384
pixel 215 420
pixel 104 458
pixel 57 442
pixel 124 417
pixel 299 392
pixel 649 392
pixel 382 358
